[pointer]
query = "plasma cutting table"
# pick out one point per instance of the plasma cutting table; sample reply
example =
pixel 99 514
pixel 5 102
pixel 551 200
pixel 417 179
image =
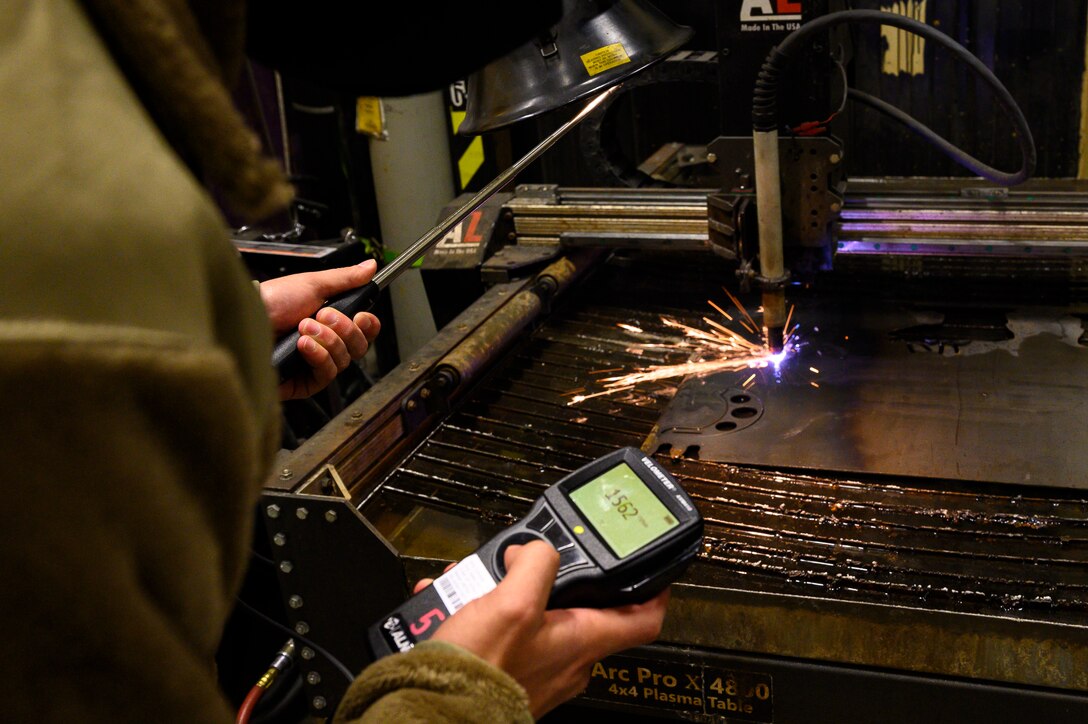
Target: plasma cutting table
pixel 897 516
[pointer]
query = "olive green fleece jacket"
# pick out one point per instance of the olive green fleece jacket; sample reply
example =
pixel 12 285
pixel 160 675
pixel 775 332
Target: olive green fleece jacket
pixel 138 414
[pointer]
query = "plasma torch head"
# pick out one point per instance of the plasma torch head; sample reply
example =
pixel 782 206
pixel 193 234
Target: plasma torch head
pixel 775 338
pixel 774 319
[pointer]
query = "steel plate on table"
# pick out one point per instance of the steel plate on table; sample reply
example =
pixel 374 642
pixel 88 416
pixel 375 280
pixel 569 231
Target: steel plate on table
pixel 996 396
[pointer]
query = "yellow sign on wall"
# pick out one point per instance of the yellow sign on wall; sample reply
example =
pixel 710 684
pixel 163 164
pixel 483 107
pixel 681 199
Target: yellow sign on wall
pixel 904 52
pixel 472 158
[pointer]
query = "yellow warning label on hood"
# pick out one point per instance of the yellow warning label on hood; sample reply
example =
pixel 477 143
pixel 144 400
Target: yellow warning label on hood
pixel 606 58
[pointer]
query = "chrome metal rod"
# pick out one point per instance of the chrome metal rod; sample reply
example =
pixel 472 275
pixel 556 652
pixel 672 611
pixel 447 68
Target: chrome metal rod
pixel 406 258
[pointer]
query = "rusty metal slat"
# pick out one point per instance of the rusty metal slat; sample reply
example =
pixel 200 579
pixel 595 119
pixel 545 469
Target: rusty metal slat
pixel 468 475
pixel 503 433
pixel 980 547
pixel 501 517
pixel 963 592
pixel 919 563
pixel 597 350
pixel 531 410
pixel 533 466
pixel 1027 501
pixel 560 401
pixel 568 369
pixel 962 522
pixel 571 363
pixel 966 593
pixel 577 426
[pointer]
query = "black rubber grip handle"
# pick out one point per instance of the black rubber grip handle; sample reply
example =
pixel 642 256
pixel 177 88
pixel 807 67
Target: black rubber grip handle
pixel 285 355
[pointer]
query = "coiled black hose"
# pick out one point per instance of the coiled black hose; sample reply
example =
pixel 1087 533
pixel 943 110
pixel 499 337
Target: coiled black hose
pixel 765 111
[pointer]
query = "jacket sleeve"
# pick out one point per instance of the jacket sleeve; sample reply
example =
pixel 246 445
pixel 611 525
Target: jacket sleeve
pixel 435 681
pixel 138 412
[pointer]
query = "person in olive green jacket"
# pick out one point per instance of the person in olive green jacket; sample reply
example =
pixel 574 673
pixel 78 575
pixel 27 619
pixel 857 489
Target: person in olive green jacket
pixel 138 409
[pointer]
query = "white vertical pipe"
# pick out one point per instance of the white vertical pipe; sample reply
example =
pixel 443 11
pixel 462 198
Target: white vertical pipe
pixel 412 183
pixel 768 203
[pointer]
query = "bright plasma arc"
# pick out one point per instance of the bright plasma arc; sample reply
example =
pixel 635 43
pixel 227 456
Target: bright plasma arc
pixel 715 349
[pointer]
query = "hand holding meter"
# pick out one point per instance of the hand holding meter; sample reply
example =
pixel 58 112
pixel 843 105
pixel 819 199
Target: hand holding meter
pixel 624 529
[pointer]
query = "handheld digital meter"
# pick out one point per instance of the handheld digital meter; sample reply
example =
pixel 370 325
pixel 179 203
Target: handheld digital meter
pixel 624 530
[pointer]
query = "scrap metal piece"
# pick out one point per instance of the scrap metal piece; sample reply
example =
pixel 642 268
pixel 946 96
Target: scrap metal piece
pixel 703 407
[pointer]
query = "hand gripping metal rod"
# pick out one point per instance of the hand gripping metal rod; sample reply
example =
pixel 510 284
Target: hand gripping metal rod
pixel 285 356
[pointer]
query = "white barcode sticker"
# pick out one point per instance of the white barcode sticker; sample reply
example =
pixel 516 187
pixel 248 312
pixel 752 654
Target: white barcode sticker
pixel 465 582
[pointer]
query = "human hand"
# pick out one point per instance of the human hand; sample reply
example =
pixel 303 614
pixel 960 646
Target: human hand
pixel 549 652
pixel 329 341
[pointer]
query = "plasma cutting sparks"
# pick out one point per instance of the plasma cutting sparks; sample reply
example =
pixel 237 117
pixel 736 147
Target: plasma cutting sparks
pixel 716 349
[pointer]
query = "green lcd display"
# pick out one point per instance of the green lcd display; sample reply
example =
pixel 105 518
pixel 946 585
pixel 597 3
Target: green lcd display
pixel 624 512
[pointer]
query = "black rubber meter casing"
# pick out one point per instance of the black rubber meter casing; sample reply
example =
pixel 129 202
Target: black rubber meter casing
pixel 624 529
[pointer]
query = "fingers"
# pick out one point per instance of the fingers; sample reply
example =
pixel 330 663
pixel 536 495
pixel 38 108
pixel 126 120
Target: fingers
pixel 603 631
pixel 355 343
pixel 344 339
pixel 369 324
pixel 323 368
pixel 530 572
pixel 327 338
pixel 328 344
